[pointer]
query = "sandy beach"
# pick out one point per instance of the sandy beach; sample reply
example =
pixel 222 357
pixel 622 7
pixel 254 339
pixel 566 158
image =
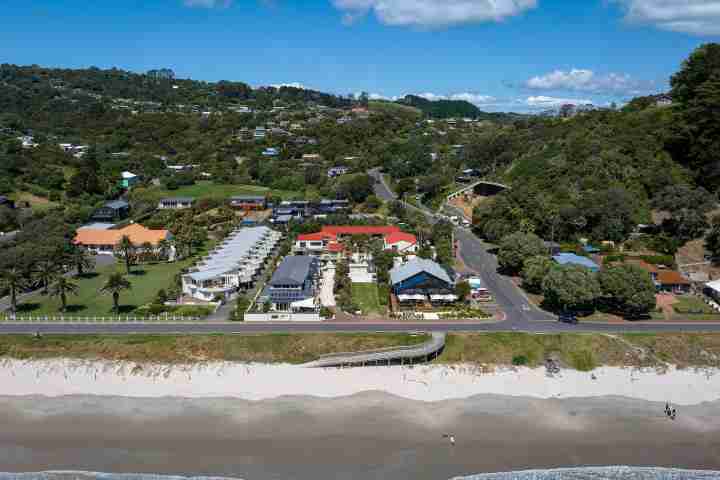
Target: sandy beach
pixel 429 383
pixel 257 421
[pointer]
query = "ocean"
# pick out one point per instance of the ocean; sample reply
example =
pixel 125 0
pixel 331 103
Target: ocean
pixel 586 473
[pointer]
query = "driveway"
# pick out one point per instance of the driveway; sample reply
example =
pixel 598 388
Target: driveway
pixel 327 296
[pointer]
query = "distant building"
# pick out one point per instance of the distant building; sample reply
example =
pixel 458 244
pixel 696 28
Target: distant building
pixel 113 211
pixel 248 202
pixel 271 152
pixel 128 180
pixel 311 157
pixel 6 202
pixel 401 242
pixel 337 171
pixel 672 282
pixel 176 203
pixel 260 133
pixel 104 241
pixel 573 259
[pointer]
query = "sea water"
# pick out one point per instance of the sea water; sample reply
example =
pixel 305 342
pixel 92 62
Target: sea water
pixel 585 473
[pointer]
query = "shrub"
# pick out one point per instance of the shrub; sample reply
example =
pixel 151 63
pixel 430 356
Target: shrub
pixel 520 360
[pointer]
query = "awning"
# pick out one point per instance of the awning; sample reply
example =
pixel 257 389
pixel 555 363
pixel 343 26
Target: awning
pixel 714 286
pixel 409 297
pixel 443 298
pixel 307 303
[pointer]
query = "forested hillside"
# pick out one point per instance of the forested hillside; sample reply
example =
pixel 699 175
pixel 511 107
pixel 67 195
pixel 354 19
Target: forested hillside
pixel 602 173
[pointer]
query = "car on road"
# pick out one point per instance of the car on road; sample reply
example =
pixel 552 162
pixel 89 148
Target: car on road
pixel 568 317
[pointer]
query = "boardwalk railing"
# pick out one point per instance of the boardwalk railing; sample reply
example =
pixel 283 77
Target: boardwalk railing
pixel 97 319
pixel 385 356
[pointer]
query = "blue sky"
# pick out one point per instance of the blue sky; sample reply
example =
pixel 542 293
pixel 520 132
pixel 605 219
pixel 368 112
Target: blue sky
pixel 519 55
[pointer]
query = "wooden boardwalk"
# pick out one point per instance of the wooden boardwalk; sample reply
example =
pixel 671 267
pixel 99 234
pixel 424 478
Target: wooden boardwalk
pixel 423 352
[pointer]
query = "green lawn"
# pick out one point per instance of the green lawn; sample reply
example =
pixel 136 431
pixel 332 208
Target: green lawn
pixel 146 280
pixel 365 295
pixel 208 189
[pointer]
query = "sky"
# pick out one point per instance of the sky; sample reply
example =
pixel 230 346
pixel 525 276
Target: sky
pixel 502 55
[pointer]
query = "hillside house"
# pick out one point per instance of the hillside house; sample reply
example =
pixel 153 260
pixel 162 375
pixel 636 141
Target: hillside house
pixel 176 203
pixel 113 211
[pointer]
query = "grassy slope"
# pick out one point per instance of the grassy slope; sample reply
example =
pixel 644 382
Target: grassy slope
pixel 365 295
pixel 191 348
pixel 90 302
pixel 207 189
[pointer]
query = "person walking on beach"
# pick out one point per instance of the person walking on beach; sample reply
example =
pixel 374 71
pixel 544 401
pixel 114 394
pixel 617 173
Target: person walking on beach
pixel 667 409
pixel 673 414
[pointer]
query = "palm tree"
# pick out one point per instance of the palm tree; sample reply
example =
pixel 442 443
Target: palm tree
pixel 14 280
pixel 126 249
pixel 148 250
pixel 61 287
pixel 115 284
pixel 81 260
pixel 45 271
pixel 163 249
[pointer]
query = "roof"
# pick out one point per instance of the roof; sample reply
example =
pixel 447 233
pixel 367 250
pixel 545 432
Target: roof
pixel 335 247
pixel 361 230
pixel 294 270
pixel 415 266
pixel 117 204
pixel 671 277
pixel 178 199
pixel 247 198
pixel 136 232
pixel 226 257
pixel 648 267
pixel 315 237
pixel 714 285
pixel 573 259
pixel 398 237
pixel 128 175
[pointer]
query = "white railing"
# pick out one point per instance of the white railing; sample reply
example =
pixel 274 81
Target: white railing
pixel 97 319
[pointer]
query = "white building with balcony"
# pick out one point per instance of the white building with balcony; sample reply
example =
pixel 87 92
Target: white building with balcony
pixel 233 264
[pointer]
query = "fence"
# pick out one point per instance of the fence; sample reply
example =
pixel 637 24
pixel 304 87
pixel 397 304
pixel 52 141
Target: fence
pixel 97 319
pixel 282 317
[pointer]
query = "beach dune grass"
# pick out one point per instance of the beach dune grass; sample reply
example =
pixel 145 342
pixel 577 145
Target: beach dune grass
pixel 271 348
pixel 582 352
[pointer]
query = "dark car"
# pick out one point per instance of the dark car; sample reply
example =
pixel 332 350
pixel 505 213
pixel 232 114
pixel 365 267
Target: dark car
pixel 570 318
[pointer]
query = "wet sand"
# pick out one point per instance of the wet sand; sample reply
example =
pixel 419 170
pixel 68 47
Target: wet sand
pixel 370 435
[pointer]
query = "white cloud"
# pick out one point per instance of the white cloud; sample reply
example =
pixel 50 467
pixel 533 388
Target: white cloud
pixel 433 13
pixel 583 80
pixel 207 3
pixel 473 98
pixel 291 85
pixel 698 17
pixel 543 101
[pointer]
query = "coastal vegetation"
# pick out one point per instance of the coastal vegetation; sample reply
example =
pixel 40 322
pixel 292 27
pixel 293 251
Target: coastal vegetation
pixel 582 352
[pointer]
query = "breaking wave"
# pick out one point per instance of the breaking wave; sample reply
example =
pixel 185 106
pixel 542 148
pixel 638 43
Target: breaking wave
pixel 600 473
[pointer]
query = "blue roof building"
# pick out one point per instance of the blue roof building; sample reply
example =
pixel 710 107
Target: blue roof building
pixel 420 276
pixel 573 259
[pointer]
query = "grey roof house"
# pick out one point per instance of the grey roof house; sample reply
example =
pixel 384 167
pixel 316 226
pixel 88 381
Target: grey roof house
pixel 292 282
pixel 112 211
